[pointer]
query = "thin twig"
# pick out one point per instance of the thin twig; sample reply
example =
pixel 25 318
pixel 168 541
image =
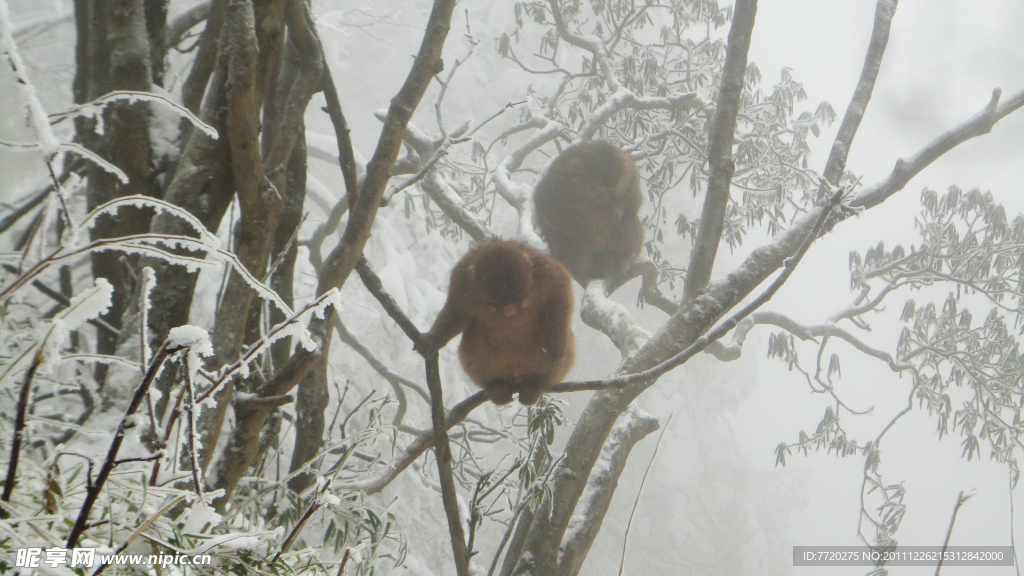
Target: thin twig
pixel 344 561
pixel 115 445
pixel 19 430
pixel 629 524
pixel 189 393
pixel 949 532
pixel 315 505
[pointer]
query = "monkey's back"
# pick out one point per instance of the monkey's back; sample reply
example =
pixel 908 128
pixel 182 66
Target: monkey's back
pixel 587 206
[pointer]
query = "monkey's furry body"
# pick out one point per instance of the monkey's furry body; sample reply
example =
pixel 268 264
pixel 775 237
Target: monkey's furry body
pixel 587 204
pixel 513 306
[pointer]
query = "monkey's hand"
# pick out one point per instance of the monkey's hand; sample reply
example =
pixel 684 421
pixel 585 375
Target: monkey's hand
pixel 426 345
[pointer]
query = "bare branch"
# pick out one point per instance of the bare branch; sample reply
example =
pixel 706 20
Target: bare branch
pixel 343 258
pixel 176 29
pixel 373 284
pixel 960 499
pixel 444 468
pixel 19 431
pixel 194 87
pixel 723 127
pixel 906 168
pixel 836 164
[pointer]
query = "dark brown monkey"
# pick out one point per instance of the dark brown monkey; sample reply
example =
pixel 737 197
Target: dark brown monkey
pixel 587 206
pixel 513 306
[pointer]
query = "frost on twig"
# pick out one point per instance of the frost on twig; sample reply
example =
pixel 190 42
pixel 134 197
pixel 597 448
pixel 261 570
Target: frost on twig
pixel 34 112
pixel 95 109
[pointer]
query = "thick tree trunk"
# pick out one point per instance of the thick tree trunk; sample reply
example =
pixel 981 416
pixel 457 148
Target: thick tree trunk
pixel 261 179
pixel 116 50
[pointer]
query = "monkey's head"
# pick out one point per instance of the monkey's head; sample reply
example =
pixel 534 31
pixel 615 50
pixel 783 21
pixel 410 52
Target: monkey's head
pixel 504 274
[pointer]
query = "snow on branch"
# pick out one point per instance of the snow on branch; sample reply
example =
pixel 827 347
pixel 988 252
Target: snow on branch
pixel 430 152
pixel 632 426
pixel 293 326
pixel 82 151
pixel 612 318
pixel 95 109
pixel 34 112
pixel 45 350
pixel 150 245
pixel 138 201
pixel 96 159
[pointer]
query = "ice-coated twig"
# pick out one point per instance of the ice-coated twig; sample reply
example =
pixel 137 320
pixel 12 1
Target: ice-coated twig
pixel 95 108
pixel 96 486
pixel 34 112
pixel 192 435
pixel 138 201
pixel 147 245
pixel 148 283
pixel 294 325
pixel 96 159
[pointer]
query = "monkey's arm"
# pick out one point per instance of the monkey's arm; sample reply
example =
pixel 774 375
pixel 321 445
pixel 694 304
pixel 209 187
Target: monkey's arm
pixel 453 318
pixel 555 314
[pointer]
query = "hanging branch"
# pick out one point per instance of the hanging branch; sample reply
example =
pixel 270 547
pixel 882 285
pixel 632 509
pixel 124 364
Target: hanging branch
pixel 443 455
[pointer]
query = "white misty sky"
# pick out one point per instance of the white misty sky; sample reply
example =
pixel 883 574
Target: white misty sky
pixel 943 59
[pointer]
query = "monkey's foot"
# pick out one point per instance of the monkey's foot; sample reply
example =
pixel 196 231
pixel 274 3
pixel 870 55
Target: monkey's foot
pixel 499 391
pixel 530 390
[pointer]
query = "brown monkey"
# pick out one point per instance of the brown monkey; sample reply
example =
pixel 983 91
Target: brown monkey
pixel 513 306
pixel 587 206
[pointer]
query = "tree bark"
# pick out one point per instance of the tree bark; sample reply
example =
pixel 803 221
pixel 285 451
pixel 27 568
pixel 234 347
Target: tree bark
pixel 720 161
pixel 118 59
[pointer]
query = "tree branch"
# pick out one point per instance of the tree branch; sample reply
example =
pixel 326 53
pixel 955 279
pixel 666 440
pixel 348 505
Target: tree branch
pixel 906 168
pixel 634 425
pixel 836 164
pixel 177 28
pixel 343 258
pixel 612 319
pixel 443 454
pixel 126 422
pixel 19 431
pixel 720 162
